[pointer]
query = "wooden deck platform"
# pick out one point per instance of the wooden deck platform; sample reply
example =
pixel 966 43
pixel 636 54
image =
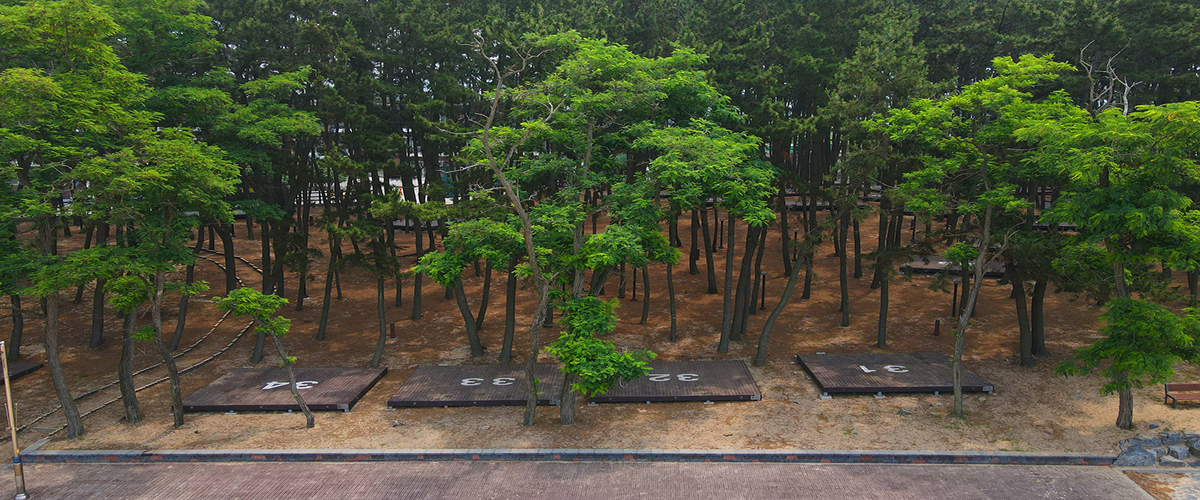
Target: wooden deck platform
pixel 504 385
pixel 266 389
pixel 18 370
pixel 936 264
pixel 475 385
pixel 887 373
pixel 687 381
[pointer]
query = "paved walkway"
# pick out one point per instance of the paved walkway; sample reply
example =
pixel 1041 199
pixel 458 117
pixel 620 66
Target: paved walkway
pixel 563 480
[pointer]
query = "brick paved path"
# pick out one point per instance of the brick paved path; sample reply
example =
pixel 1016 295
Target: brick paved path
pixel 559 480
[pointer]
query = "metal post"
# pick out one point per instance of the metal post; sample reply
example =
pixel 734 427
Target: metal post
pixel 937 327
pixel 954 301
pixel 762 304
pixel 392 333
pixel 18 471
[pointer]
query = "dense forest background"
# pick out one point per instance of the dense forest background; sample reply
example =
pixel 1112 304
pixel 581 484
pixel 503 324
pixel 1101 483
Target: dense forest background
pixel 146 123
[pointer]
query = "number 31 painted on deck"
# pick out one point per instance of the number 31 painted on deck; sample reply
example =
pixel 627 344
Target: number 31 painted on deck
pixel 890 368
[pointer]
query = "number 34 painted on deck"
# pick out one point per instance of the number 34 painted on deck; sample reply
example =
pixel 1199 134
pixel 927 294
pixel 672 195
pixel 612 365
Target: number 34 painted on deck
pixel 890 368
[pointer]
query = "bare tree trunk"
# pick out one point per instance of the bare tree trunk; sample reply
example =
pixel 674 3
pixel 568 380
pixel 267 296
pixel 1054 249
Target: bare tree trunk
pixel 981 262
pixel 743 292
pixel 325 302
pixel 133 413
pixel 487 294
pixel 784 242
pixel 309 420
pixel 881 334
pixel 645 294
pixel 231 283
pixel 53 362
pixel 857 251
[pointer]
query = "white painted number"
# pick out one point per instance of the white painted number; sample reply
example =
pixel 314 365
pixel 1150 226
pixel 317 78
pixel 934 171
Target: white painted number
pixel 303 384
pixel 665 377
pixel 889 368
pixel 472 381
pixel 503 381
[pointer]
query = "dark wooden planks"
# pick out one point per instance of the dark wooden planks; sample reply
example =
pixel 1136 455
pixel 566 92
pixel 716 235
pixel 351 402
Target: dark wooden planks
pixel 936 264
pixel 266 389
pixel 687 381
pixel 18 370
pixel 887 372
pixel 475 385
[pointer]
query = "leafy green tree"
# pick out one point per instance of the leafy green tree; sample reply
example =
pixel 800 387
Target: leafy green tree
pixel 593 365
pixel 969 137
pixel 261 308
pixel 1142 343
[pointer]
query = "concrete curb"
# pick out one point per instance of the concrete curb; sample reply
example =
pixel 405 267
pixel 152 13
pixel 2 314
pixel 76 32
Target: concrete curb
pixel 568 455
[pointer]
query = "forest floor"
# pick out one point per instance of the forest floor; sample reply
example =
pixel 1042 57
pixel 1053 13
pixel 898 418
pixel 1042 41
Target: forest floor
pixel 1031 410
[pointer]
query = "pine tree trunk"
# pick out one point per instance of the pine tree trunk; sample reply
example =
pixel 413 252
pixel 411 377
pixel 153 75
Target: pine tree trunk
pixel 671 295
pixel 323 325
pixel 881 334
pixel 1037 318
pixel 760 359
pixel 309 420
pixel 727 307
pixel 487 294
pixel 742 290
pixel 1018 287
pixel 231 283
pixel 857 251
pixel 1125 408
pixel 267 285
pixel 784 246
pixel 843 278
pixel 181 321
pixel 566 407
pixel 168 360
pixel 18 328
pixel 708 252
pixel 758 277
pixel 468 321
pixel 510 311
pixel 695 248
pixel 46 244
pixel 133 413
pixel 380 304
pixel 535 337
pixel 97 337
pixel 417 278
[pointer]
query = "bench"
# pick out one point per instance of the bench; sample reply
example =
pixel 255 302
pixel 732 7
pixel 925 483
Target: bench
pixel 1180 392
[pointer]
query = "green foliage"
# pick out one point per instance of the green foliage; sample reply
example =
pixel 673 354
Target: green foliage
pixel 260 308
pixel 597 363
pixel 1142 342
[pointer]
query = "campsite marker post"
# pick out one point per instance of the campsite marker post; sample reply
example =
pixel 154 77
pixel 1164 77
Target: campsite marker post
pixel 18 471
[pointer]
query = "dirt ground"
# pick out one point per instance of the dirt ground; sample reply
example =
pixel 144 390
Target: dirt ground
pixel 1031 410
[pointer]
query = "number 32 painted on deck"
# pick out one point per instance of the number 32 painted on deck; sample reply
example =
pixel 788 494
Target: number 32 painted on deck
pixel 683 377
pixel 890 368
pixel 471 382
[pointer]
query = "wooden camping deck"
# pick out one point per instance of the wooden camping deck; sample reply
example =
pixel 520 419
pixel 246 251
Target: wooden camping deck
pixel 504 385
pixel 936 264
pixel 687 381
pixel 475 385
pixel 267 389
pixel 18 370
pixel 887 372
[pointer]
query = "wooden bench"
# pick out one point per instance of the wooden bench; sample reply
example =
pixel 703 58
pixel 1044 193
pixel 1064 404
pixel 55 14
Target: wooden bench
pixel 1180 392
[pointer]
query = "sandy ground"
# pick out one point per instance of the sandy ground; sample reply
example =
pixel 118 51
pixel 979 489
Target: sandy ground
pixel 1032 410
